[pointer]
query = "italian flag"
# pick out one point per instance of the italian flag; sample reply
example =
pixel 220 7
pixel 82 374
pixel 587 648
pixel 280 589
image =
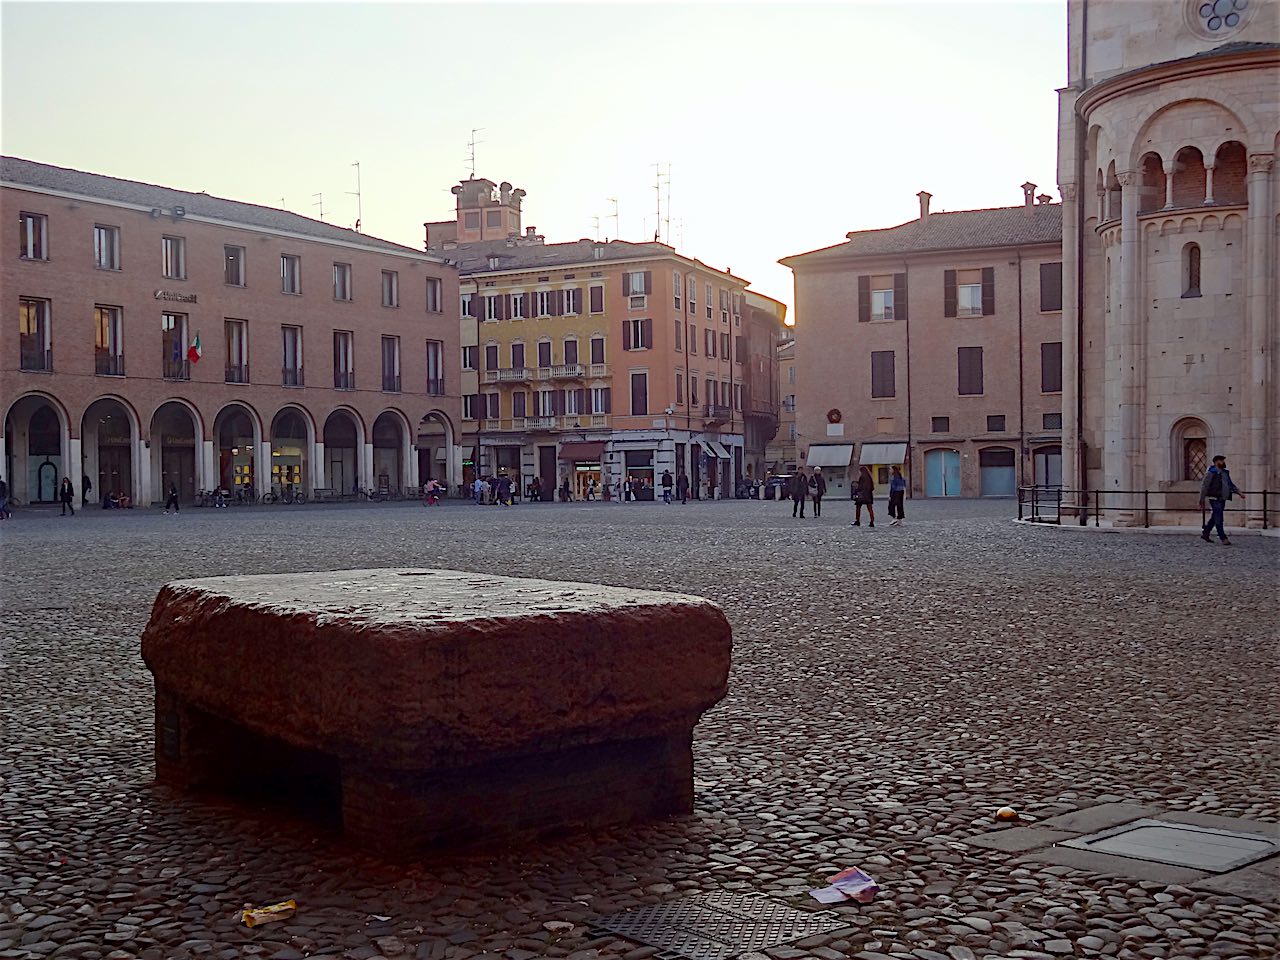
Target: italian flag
pixel 193 351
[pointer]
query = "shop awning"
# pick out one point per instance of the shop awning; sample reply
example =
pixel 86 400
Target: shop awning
pixel 720 449
pixel 581 452
pixel 830 454
pixel 882 453
pixel 468 454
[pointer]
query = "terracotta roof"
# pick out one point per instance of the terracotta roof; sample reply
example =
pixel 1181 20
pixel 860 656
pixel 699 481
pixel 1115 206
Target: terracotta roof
pixel 959 230
pixel 17 172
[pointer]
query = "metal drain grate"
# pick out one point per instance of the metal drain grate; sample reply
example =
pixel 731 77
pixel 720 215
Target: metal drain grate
pixel 1179 844
pixel 717 925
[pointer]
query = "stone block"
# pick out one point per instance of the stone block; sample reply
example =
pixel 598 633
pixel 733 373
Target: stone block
pixel 437 706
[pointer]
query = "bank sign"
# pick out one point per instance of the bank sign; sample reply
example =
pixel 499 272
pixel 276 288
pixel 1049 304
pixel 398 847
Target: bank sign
pixel 175 296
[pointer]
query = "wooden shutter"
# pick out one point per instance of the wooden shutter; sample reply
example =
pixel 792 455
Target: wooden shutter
pixel 626 283
pixel 626 335
pixel 864 299
pixel 899 296
pixel 949 293
pixel 582 399
pixel 646 334
pixel 988 291
pixel 597 299
pixel 608 399
pixel 528 304
pixel 571 351
pixel 502 306
pixel 882 378
pixel 648 282
pixel 1051 367
pixel 1050 287
pixel 969 362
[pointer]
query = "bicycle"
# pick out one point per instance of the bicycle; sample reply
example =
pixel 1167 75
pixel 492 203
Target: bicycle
pixel 294 497
pixel 269 497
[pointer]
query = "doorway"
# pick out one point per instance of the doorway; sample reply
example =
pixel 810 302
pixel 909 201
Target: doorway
pixel 942 473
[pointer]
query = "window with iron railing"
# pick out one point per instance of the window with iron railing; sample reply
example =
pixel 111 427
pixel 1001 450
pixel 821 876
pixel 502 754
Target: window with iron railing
pixel 291 351
pixel 33 335
pixel 108 353
pixel 173 346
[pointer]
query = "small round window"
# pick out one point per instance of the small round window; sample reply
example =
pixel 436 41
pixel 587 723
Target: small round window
pixel 1214 19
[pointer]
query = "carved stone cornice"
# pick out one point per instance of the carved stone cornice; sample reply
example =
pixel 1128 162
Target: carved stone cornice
pixel 1261 162
pixel 1068 191
pixel 1128 178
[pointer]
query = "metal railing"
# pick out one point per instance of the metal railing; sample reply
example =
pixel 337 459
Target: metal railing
pixel 1045 504
pixel 109 364
pixel 344 380
pixel 291 377
pixel 716 411
pixel 237 373
pixel 390 384
pixel 40 361
pixel 177 369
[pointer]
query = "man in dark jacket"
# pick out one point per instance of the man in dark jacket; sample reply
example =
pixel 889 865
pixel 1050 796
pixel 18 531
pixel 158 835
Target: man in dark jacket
pixel 682 487
pixel 799 493
pixel 817 490
pixel 1217 488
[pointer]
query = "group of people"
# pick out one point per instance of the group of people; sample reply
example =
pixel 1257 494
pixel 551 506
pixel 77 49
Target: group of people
pixel 493 490
pixel 812 487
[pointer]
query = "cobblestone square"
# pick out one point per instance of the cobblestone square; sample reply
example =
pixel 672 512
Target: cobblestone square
pixel 891 689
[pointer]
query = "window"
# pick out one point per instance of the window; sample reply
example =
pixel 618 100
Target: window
pixel 791 374
pixel 1052 421
pixel 519 404
pixel 341 281
pixel 636 283
pixel 882 374
pixel 639 394
pixel 969 366
pixel 1191 270
pixel 1195 458
pixel 471 220
pixel 108 353
pixel 33 335
pixel 544 300
pixel 435 368
pixel 737 396
pixel 1050 287
pixel 882 297
pixel 544 353
pixel 995 423
pixel 470 401
pixel 470 357
pixel 572 301
pixel 236 334
pixel 517 356
pixel 344 375
pixel 174 254
pixel 710 343
pixel 33 236
pixel 491 356
pixel 597 350
pixel 637 334
pixel 693 389
pixel 515 309
pixel 724 346
pixel 791 432
pixel 173 346
pixel 679 336
pixel 390 288
pixel 290 273
pixel 693 340
pixel 969 300
pixel 492 307
pixel 789 403
pixel 106 247
pixel 546 401
pixel 710 397
pixel 1051 367
pixel 291 370
pixel 597 299
pixel 571 351
pixel 466 305
pixel 679 388
pixel 707 290
pixel 572 403
pixel 391 364
pixel 691 288
pixel 435 295
pixel 940 424
pixel 233 266
pixel 493 218
pixel 601 401
pixel 677 287
pixel 493 403
pixel 969 293
pixel 881 304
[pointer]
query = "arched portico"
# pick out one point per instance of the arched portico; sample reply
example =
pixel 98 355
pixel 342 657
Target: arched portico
pixel 36 448
pixel 438 454
pixel 238 450
pixel 293 437
pixel 345 465
pixel 393 464
pixel 113 452
pixel 177 451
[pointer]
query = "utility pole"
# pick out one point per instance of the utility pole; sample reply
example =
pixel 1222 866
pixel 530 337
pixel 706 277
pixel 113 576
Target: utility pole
pixel 359 198
pixel 319 203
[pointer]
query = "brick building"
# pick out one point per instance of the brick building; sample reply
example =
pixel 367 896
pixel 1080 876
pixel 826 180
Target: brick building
pixel 935 345
pixel 781 452
pixel 595 362
pixel 328 359
pixel 1168 132
pixel 766 329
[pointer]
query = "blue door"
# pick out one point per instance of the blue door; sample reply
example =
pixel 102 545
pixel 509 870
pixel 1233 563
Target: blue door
pixel 996 466
pixel 942 473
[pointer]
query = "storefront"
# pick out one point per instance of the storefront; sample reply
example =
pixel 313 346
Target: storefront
pixel 882 458
pixel 716 462
pixel 581 462
pixel 834 459
pixel 639 471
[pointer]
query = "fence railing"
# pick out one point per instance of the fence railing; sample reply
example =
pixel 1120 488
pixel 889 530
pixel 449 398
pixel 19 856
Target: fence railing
pixel 1042 504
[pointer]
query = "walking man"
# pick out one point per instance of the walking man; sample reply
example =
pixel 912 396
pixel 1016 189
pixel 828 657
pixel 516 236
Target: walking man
pixel 67 494
pixel 85 486
pixel 817 490
pixel 682 487
pixel 1217 487
pixel 799 493
pixel 666 487
pixel 897 493
pixel 864 495
pixel 172 499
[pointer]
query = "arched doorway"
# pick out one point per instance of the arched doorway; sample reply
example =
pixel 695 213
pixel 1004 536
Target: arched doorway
pixel 109 435
pixel 997 472
pixel 389 443
pixel 436 454
pixel 36 443
pixel 342 442
pixel 290 445
pixel 942 473
pixel 175 451
pixel 237 436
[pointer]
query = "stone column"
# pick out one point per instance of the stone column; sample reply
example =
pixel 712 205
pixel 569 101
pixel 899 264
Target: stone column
pixel 1124 449
pixel 1168 184
pixel 317 471
pixel 365 468
pixel 1257 417
pixel 208 475
pixel 75 468
pixel 1074 476
pixel 262 468
pixel 1208 184
pixel 142 492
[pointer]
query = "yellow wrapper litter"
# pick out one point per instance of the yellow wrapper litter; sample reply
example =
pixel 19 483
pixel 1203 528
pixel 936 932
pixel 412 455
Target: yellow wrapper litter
pixel 277 911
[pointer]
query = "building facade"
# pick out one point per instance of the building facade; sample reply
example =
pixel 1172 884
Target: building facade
pixel 1168 133
pixel 596 363
pixel 765 319
pixel 935 345
pixel 781 452
pixel 164 337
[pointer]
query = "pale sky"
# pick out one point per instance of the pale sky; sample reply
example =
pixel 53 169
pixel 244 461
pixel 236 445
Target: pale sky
pixel 785 125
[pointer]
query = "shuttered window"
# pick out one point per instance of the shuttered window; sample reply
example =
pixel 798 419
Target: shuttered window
pixel 1051 367
pixel 969 364
pixel 639 394
pixel 597 300
pixel 882 374
pixel 1050 287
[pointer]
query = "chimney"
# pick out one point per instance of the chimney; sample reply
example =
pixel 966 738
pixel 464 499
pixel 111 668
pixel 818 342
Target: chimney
pixel 925 196
pixel 530 232
pixel 1044 198
pixel 1028 195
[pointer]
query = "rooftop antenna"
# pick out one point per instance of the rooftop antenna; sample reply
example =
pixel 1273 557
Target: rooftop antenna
pixel 617 223
pixel 282 203
pixel 597 223
pixel 359 198
pixel 659 177
pixel 319 203
pixel 471 150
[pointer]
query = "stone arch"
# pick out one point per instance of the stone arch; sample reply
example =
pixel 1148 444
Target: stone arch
pixel 32 460
pixel 177 454
pixel 436 441
pixel 1237 114
pixel 997 470
pixel 1111 208
pixel 112 450
pixel 1151 192
pixel 1230 168
pixel 236 459
pixel 393 444
pixel 347 468
pixel 1189 442
pixel 293 438
pixel 1189 177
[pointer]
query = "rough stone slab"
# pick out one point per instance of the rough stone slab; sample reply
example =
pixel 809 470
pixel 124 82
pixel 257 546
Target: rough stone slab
pixel 422 669
pixel 1099 817
pixel 1259 881
pixel 1020 839
pixel 1217 822
pixel 1112 866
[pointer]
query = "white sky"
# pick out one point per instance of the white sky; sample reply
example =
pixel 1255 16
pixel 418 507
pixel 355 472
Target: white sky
pixel 785 125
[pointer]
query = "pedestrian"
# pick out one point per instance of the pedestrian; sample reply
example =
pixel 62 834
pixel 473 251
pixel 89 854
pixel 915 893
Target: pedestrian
pixel 4 500
pixel 477 490
pixel 864 495
pixel 504 490
pixel 566 492
pixel 682 487
pixel 85 486
pixel 67 494
pixel 535 489
pixel 897 494
pixel 667 483
pixel 591 489
pixel 799 493
pixel 1217 487
pixel 172 499
pixel 817 489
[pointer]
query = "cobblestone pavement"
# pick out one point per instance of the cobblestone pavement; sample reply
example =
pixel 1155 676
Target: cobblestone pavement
pixel 891 689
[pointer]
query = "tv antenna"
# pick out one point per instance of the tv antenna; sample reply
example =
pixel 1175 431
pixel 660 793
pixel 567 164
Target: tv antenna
pixel 471 150
pixel 660 179
pixel 617 223
pixel 319 203
pixel 359 198
pixel 596 220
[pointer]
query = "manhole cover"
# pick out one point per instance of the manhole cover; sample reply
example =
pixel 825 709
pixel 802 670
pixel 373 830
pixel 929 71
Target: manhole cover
pixel 1179 844
pixel 714 926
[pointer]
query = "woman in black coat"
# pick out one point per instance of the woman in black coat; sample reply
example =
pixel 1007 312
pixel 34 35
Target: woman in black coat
pixel 799 493
pixel 67 494
pixel 864 495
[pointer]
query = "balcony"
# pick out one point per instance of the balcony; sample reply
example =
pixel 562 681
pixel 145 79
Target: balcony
pixel 508 375
pixel 716 411
pixel 539 423
pixel 237 373
pixel 291 377
pixel 390 383
pixel 344 379
pixel 598 370
pixel 563 371
pixel 38 361
pixel 109 364
pixel 177 369
pixel 599 420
